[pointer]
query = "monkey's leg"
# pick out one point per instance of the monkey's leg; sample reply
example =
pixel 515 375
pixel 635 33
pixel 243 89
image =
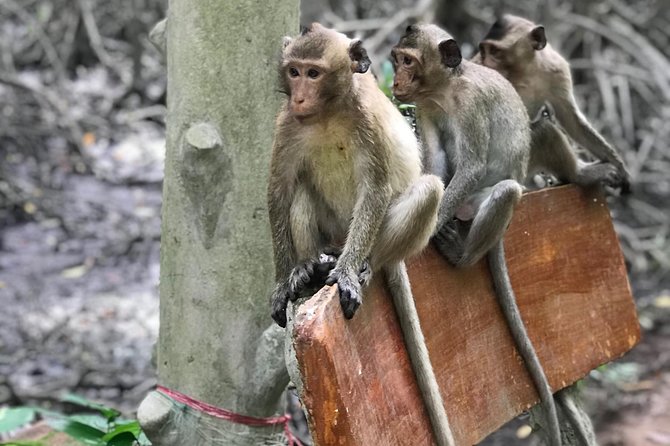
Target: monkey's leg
pixel 398 283
pixel 552 151
pixel 409 222
pixel 507 299
pixel 491 221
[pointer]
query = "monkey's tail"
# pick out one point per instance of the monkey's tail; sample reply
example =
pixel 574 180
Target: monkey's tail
pixel 399 286
pixel 507 299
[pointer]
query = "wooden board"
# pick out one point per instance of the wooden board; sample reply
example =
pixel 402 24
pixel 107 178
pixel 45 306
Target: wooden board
pixel 570 279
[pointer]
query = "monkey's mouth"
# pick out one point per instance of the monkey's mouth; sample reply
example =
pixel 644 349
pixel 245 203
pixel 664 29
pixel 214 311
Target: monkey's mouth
pixel 402 96
pixel 305 118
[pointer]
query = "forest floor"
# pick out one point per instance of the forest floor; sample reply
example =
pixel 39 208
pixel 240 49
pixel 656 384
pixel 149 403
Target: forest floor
pixel 80 313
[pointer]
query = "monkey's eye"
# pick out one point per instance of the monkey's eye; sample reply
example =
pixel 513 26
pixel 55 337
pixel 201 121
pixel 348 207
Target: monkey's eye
pixel 293 72
pixel 407 60
pixel 312 73
pixel 493 51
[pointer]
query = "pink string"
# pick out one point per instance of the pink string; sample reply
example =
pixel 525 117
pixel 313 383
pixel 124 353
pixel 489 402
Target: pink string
pixel 232 416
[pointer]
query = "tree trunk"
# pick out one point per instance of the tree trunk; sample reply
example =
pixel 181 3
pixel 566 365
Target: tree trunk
pixel 216 254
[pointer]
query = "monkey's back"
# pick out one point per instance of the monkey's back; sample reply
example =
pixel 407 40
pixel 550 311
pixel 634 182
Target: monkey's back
pixel 508 123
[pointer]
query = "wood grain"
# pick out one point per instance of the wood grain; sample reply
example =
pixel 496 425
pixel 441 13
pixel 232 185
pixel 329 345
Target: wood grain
pixel 570 279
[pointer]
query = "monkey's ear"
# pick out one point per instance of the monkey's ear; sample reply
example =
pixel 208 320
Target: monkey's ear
pixel 359 57
pixel 286 41
pixel 306 29
pixel 450 52
pixel 538 38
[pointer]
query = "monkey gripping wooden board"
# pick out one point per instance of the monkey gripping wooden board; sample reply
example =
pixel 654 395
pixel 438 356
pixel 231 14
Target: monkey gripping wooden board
pixel 569 275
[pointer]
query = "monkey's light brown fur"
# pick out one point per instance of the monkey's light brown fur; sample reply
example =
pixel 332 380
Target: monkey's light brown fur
pixel 569 275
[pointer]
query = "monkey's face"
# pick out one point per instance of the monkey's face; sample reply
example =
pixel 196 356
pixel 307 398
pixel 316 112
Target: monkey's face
pixel 306 88
pixel 511 43
pixel 422 59
pixel 316 68
pixel 408 68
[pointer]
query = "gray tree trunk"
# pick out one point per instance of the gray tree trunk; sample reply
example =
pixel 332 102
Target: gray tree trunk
pixel 217 343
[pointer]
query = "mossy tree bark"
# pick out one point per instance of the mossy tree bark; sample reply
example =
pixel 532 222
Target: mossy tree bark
pixel 217 343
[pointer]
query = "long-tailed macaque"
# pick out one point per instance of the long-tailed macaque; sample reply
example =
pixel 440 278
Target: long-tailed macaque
pixel 518 49
pixel 346 172
pixel 476 134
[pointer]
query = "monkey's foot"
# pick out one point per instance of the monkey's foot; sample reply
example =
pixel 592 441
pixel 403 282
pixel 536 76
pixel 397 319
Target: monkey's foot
pixel 301 276
pixel 449 242
pixel 350 290
pixel 606 174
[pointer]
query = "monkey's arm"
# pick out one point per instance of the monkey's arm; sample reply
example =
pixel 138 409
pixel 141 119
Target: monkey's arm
pixel 578 127
pixel 374 198
pixel 280 196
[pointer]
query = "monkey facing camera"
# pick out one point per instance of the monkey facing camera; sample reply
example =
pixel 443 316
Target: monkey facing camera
pixel 346 172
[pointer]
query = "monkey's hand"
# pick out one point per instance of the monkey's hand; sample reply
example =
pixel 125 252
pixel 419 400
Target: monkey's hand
pixel 301 276
pixel 310 275
pixel 350 290
pixel 328 259
pixel 280 298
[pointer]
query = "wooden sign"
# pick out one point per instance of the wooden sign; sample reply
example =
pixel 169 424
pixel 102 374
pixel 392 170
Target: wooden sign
pixel 569 276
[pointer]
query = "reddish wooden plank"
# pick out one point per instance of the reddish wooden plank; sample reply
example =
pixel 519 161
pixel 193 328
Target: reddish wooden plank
pixel 568 272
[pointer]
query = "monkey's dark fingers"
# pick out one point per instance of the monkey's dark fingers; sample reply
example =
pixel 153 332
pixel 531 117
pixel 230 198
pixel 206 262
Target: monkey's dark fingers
pixel 616 179
pixel 279 303
pixel 350 300
pixel 300 277
pixel 321 272
pixel 332 279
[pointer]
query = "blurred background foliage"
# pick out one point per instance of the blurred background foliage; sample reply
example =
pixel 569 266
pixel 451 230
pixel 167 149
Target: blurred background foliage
pixel 82 104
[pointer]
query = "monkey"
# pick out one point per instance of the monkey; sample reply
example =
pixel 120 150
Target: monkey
pixel 476 135
pixel 345 171
pixel 518 49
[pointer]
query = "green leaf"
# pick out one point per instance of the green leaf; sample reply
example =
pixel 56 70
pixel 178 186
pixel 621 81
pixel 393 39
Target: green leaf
pixel 14 418
pixel 122 439
pixel 95 421
pixel 108 412
pixel 79 431
pixel 132 427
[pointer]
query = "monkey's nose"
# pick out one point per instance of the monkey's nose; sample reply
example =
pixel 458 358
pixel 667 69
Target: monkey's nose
pixel 300 100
